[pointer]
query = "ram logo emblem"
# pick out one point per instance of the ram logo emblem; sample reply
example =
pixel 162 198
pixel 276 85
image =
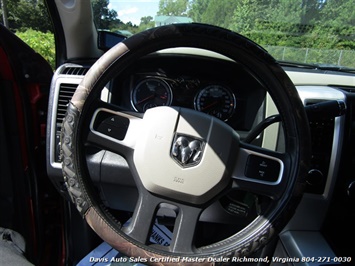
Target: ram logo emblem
pixel 186 150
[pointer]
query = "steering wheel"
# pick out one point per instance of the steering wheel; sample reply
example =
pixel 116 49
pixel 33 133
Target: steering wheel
pixel 184 160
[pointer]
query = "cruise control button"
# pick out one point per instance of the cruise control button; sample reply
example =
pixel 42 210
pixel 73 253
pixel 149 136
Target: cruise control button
pixel 262 168
pixel 114 126
pixel 112 131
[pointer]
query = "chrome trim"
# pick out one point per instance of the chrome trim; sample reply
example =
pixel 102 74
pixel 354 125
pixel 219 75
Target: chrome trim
pixel 160 79
pixel 53 167
pixel 58 82
pixel 187 151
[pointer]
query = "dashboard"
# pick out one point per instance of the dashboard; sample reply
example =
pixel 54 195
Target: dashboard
pixel 228 91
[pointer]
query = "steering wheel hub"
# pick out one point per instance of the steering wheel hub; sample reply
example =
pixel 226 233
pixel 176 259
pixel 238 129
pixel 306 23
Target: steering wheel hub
pixel 184 155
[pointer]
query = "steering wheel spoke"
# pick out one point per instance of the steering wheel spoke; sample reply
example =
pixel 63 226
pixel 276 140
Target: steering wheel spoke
pixel 184 229
pixel 146 212
pixel 141 222
pixel 260 171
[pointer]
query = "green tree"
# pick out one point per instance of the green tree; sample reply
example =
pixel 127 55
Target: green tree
pixel 3 6
pixel 219 13
pixel 214 12
pixel 146 23
pixel 196 10
pixel 319 24
pixel 286 11
pixel 338 13
pixel 25 14
pixel 104 17
pixel 337 18
pixel 146 20
pixel 173 7
pixel 246 15
pixel 311 10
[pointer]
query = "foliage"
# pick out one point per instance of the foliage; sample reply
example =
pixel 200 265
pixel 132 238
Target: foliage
pixel 146 23
pixel 42 43
pixel 24 14
pixel 197 10
pixel 307 31
pixel 320 25
pixel 173 7
pixel 219 12
pixel 326 24
pixel 104 17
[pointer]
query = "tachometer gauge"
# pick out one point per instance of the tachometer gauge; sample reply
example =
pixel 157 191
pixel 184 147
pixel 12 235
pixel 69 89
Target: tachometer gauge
pixel 216 100
pixel 149 93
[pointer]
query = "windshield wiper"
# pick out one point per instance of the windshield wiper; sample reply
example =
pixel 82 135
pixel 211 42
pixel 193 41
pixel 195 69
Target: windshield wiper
pixel 336 68
pixel 317 66
pixel 296 64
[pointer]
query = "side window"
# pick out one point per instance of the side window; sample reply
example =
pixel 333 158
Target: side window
pixel 30 21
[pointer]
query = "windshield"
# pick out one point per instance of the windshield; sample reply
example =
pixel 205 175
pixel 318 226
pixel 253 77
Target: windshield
pixel 304 31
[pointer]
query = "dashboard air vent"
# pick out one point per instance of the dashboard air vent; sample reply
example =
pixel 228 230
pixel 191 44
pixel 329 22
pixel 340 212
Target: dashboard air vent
pixel 66 92
pixel 79 71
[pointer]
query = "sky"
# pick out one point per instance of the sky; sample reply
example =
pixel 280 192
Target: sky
pixel 133 10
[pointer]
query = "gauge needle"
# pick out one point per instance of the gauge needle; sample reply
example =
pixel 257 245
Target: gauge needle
pixel 210 105
pixel 145 99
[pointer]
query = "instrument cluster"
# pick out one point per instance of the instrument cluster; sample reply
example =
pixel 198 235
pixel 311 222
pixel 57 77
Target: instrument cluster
pixel 213 98
pixel 221 88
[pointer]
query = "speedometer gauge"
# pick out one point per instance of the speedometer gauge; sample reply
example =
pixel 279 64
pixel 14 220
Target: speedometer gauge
pixel 216 100
pixel 149 93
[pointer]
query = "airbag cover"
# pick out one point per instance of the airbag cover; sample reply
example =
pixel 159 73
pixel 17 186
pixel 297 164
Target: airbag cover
pixel 158 160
